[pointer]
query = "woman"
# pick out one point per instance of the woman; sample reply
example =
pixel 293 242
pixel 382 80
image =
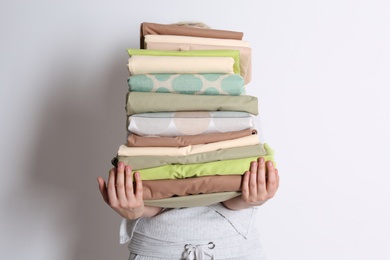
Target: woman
pixel 220 231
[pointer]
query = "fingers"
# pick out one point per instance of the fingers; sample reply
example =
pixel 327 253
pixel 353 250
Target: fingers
pixel 129 183
pixel 112 197
pixel 272 182
pixel 260 183
pixel 124 186
pixel 261 176
pixel 103 189
pixel 120 182
pixel 245 186
pixel 138 186
pixel 253 181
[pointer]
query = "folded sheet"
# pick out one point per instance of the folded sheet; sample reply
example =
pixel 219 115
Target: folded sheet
pixel 134 140
pixel 189 123
pixel 194 84
pixel 198 200
pixel 245 54
pixel 141 102
pixel 171 29
pixel 225 167
pixel 235 54
pixel 171 64
pixel 160 189
pixel 152 38
pixel 143 162
pixel 187 150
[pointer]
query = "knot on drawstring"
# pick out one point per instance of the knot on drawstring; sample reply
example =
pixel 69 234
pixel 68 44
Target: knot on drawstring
pixel 198 252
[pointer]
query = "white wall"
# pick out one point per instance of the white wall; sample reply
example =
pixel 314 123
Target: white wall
pixel 321 72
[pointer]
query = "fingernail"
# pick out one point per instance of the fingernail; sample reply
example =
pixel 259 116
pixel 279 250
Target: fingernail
pixel 261 160
pixel 269 163
pixel 254 164
pixel 121 164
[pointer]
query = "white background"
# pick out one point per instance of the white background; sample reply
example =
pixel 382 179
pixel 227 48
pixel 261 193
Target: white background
pixel 321 71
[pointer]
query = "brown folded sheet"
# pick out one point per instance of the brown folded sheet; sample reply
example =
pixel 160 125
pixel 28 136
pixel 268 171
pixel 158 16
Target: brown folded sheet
pixel 181 141
pixel 171 29
pixel 160 189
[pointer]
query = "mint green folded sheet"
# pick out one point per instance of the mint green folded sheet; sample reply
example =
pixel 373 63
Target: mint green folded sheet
pixel 194 84
pixel 235 54
pixel 144 102
pixel 225 167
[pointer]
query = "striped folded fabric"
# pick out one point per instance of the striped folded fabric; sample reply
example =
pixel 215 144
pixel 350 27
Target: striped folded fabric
pixel 194 84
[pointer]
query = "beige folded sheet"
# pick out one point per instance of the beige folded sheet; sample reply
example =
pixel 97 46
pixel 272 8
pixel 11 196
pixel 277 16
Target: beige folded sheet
pixel 134 140
pixel 160 189
pixel 171 29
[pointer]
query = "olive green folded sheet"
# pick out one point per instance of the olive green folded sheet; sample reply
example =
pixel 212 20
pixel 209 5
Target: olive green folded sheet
pixel 143 102
pixel 143 162
pixel 225 167
pixel 197 200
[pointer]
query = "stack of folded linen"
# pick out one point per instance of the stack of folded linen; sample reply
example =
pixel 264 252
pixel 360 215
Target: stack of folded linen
pixel 191 132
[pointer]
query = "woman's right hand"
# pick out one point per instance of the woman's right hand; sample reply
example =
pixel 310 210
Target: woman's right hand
pixel 121 195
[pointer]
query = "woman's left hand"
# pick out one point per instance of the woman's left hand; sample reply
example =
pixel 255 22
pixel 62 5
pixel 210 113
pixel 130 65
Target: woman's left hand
pixel 259 185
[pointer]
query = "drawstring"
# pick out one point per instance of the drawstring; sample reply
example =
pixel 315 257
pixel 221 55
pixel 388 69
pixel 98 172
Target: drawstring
pixel 198 252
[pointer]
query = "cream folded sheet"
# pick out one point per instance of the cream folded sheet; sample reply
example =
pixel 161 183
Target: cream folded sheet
pixel 170 64
pixel 187 150
pixel 245 53
pixel 193 40
pixel 235 54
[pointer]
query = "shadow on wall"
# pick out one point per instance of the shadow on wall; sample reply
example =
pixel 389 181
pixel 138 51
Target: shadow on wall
pixel 81 127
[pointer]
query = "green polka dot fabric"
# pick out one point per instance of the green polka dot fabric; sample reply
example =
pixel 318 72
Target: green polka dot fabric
pixel 193 84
